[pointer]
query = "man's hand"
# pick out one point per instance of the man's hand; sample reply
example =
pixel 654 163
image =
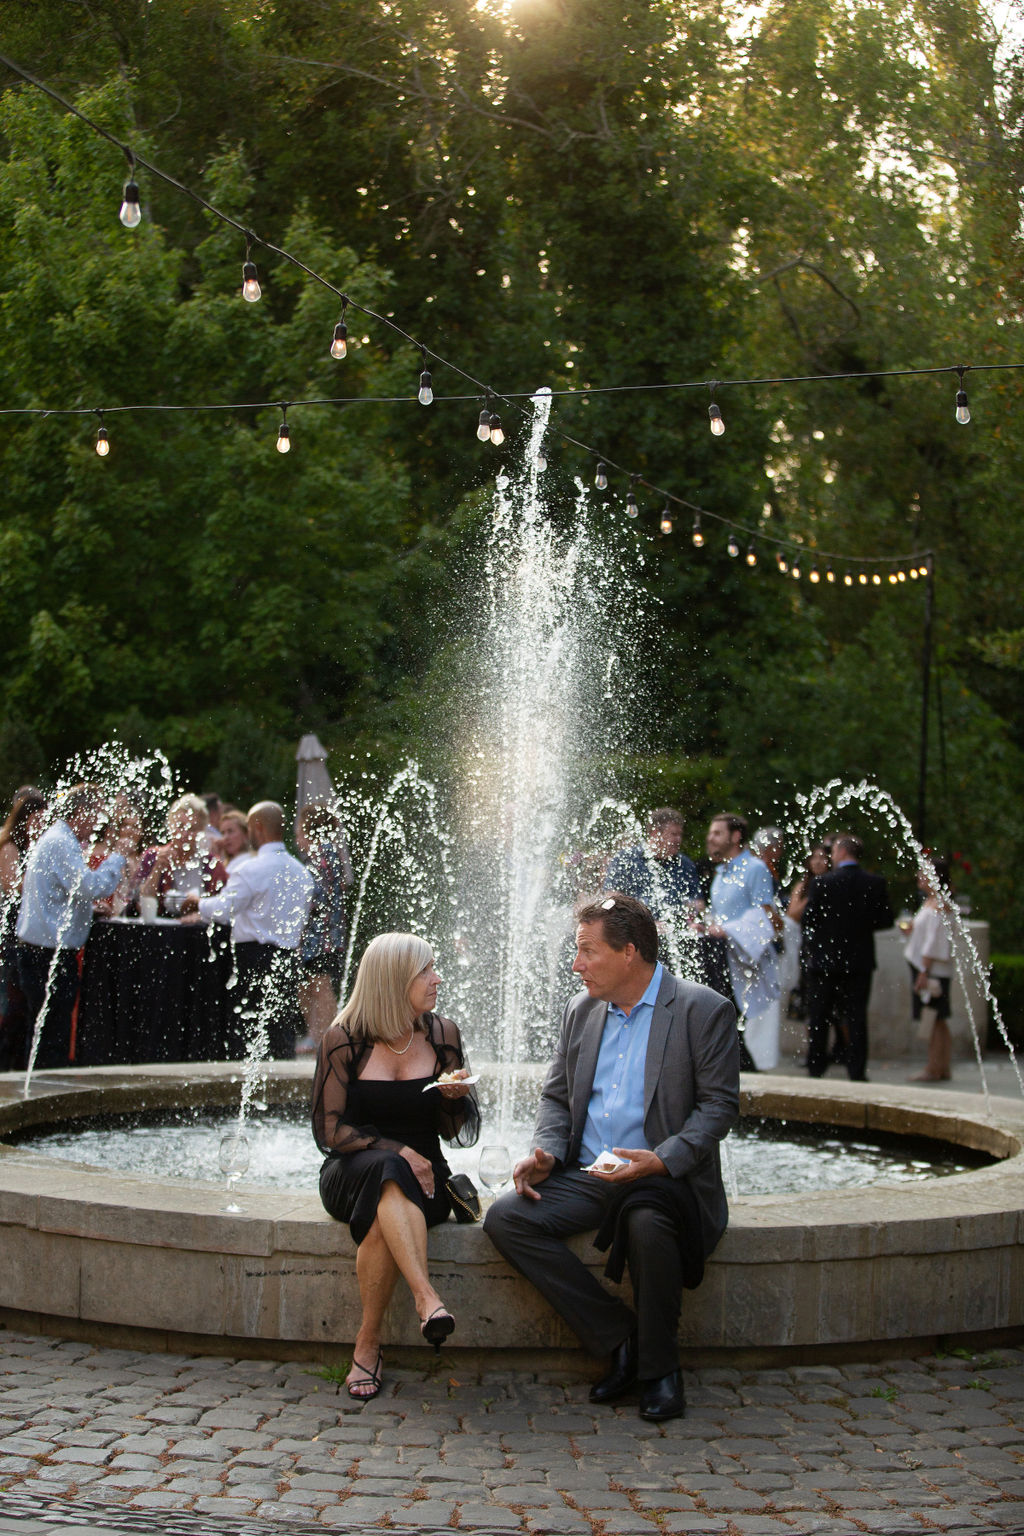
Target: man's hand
pixel 640 1164
pixel 189 905
pixel 532 1170
pixel 422 1168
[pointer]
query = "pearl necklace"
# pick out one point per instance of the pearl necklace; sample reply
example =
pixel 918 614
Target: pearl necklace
pixel 405 1047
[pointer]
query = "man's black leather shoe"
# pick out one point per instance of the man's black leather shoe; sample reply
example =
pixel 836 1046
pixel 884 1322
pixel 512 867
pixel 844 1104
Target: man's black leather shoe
pixel 663 1397
pixel 622 1374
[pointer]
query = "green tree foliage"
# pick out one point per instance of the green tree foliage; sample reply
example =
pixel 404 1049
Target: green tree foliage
pixel 568 192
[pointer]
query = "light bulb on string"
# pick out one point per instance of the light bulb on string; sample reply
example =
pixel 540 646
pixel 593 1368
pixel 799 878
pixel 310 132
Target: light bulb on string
pixel 913 573
pixel 963 410
pixel 632 510
pixel 102 440
pixel 830 576
pixel 251 290
pixel 426 392
pixel 751 554
pixel 601 478
pixel 901 575
pixel 697 534
pixel 781 562
pixel 795 570
pixel 483 427
pixel 893 578
pixel 284 437
pixel 847 580
pixel 814 575
pixel 922 570
pixel 130 214
pixel 876 580
pixel 339 346
pixel 862 577
pixel 733 545
pixel 541 460
pixel 497 435
pixel 717 424
pixel 666 519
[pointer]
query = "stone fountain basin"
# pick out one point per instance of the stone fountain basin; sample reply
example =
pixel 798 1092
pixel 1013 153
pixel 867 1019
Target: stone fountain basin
pixel 157 1263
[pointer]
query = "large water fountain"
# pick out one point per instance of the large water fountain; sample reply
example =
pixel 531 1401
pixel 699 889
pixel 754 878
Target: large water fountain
pixel 485 862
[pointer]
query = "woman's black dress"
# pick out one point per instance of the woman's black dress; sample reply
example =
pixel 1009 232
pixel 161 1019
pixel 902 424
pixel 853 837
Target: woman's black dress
pixel 363 1125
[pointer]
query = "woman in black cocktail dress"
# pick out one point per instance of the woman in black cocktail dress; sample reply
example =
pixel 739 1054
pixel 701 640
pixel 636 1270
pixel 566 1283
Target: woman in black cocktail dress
pixel 385 1173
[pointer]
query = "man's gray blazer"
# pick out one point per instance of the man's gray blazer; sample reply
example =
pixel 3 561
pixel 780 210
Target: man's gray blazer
pixel 691 1088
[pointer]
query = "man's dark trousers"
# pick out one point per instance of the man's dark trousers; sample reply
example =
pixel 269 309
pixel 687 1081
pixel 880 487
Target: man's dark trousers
pixel 49 978
pixel 531 1234
pixel 267 996
pixel 840 998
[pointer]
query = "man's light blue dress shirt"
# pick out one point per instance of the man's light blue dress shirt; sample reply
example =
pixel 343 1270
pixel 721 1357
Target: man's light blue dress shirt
pixel 59 888
pixel 615 1117
pixel 744 882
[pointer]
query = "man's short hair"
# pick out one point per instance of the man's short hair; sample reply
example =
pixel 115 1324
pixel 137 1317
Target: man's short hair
pixel 735 823
pixel 78 799
pixel 665 816
pixel 270 817
pixel 849 843
pixel 624 920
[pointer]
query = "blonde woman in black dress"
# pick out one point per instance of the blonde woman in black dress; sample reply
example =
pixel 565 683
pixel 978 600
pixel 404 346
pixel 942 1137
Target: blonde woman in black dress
pixel 384 1173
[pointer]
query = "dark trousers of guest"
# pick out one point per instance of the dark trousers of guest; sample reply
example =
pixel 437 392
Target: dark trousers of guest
pixel 840 999
pixel 265 998
pixel 49 980
pixel 530 1235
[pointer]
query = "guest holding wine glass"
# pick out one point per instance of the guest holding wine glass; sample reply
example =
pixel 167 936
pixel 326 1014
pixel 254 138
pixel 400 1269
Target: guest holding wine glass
pixel 379 1119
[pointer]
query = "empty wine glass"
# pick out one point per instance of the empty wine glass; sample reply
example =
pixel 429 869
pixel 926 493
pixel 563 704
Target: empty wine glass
pixel 233 1157
pixel 495 1167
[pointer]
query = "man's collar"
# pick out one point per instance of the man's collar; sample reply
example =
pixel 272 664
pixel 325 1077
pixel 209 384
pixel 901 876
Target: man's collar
pixel 650 993
pixel 270 847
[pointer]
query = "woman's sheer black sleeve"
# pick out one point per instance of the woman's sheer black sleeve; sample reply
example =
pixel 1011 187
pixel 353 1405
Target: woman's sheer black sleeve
pixel 337 1064
pixel 459 1119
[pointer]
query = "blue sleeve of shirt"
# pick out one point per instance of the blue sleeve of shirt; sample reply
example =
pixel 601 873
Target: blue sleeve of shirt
pixel 762 892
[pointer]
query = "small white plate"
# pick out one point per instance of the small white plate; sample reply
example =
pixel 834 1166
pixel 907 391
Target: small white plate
pixel 474 1079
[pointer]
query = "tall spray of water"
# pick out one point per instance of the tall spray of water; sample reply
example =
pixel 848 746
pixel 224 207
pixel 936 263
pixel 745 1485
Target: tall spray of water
pixel 484 863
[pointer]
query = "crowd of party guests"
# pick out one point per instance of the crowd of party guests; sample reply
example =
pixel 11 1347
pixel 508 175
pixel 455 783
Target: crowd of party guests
pixel 85 856
pixel 724 919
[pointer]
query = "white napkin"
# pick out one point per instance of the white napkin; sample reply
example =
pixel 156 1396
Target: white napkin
pixel 474 1079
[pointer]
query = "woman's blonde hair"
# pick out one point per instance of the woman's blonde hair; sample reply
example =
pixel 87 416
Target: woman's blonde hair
pixel 378 1005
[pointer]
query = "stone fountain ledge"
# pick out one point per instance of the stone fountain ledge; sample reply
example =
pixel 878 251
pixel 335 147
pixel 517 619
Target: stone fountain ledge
pixel 120 1258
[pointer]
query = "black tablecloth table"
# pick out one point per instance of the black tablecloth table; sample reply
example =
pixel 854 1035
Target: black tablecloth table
pixel 153 992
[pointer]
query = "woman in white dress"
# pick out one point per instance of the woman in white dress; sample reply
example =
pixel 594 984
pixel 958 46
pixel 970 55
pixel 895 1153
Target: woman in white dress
pixel 930 957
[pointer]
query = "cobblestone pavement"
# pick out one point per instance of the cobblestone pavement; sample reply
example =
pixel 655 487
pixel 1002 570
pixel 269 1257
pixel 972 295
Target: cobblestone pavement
pixel 116 1441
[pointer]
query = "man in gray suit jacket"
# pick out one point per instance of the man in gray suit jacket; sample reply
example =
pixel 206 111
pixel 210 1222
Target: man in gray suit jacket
pixel 645 1079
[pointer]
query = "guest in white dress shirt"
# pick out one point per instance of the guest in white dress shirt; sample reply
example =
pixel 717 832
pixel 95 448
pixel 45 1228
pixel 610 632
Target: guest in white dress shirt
pixel 266 902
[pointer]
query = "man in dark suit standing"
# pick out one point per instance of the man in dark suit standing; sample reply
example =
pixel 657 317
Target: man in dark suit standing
pixel 845 909
pixel 643 1087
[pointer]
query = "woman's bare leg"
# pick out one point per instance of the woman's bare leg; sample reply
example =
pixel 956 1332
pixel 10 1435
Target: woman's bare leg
pixel 404 1229
pixel 319 1006
pixel 377 1274
pixel 940 1051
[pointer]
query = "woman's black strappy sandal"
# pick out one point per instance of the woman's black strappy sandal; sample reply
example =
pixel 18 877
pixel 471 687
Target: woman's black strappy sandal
pixel 436 1328
pixel 370 1379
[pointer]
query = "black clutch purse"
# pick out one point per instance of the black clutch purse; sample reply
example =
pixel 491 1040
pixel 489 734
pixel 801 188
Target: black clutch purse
pixel 465 1200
